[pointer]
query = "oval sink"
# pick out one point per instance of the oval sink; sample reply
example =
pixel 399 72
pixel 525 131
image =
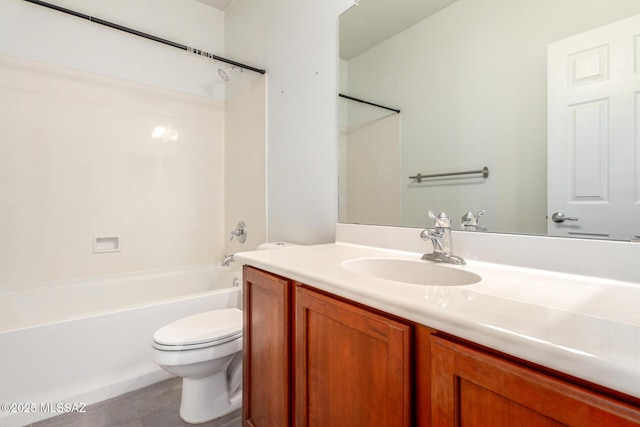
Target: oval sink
pixel 414 272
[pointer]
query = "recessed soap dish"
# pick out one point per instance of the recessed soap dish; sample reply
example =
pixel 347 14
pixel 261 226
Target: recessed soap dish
pixel 106 244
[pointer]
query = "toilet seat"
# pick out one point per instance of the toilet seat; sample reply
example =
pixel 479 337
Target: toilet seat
pixel 201 330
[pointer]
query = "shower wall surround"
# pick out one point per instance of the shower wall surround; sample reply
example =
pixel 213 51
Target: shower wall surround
pixel 245 147
pixel 85 156
pixel 81 104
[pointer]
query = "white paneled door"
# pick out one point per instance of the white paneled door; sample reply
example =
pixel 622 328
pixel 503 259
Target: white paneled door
pixel 593 172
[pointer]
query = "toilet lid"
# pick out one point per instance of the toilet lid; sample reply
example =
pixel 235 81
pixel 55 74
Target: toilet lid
pixel 207 327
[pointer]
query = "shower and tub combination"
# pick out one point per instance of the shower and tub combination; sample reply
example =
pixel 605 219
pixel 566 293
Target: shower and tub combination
pixel 83 341
pixel 98 163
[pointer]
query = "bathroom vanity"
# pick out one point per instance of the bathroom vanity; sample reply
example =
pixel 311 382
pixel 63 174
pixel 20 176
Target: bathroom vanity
pixel 309 348
pixel 324 345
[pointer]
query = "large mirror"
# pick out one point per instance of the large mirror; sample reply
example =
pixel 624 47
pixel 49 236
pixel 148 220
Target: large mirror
pixel 538 100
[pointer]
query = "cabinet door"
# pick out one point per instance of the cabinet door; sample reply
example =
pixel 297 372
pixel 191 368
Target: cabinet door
pixel 267 351
pixel 422 371
pixel 473 388
pixel 352 366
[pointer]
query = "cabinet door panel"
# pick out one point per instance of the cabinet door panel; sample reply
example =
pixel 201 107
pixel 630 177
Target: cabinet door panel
pixel 422 372
pixel 267 351
pixel 352 366
pixel 473 388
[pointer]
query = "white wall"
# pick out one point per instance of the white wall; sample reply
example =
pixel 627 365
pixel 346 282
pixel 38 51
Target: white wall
pixel 296 41
pixel 456 115
pixel 79 103
pixel 34 32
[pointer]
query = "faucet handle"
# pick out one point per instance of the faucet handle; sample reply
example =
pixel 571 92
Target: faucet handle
pixel 442 220
pixel 240 232
pixel 471 219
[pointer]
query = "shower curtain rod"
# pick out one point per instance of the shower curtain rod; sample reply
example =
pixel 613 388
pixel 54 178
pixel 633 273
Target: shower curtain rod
pixel 145 35
pixel 341 95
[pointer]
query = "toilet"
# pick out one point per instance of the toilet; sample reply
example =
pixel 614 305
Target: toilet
pixel 206 351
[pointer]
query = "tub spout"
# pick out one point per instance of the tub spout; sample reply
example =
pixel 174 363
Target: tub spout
pixel 228 259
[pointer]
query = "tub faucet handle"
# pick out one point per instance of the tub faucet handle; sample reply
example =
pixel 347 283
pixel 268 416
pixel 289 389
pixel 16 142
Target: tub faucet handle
pixel 240 232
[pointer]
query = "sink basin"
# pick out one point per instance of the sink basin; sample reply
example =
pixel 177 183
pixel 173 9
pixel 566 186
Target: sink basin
pixel 417 272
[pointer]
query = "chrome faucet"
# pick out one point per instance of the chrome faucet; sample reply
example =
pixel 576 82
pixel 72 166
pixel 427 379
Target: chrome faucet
pixel 470 222
pixel 440 236
pixel 228 259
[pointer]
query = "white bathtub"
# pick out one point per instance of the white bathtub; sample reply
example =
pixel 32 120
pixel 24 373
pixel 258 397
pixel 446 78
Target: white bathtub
pixel 86 341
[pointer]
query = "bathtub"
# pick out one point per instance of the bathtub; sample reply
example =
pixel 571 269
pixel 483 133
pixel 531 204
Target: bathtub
pixel 84 341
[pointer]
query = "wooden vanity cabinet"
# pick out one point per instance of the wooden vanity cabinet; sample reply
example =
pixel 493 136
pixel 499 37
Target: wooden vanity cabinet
pixel 471 387
pixel 352 366
pixel 266 397
pixel 312 359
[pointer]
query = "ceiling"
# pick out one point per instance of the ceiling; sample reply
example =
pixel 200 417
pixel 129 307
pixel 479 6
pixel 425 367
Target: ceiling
pixel 218 4
pixel 370 22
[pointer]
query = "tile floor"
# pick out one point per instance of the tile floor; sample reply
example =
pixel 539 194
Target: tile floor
pixel 154 406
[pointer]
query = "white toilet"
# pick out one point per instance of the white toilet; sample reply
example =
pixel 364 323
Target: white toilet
pixel 206 351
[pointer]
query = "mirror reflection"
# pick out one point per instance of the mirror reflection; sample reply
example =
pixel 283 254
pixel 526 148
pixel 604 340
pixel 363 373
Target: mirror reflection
pixel 543 94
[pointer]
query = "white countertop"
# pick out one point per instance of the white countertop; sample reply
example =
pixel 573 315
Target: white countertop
pixel 583 326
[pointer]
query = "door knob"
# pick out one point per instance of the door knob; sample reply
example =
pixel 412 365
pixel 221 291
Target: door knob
pixel 560 217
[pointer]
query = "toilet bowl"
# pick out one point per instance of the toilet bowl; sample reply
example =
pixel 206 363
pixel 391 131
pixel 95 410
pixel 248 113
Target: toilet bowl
pixel 206 351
